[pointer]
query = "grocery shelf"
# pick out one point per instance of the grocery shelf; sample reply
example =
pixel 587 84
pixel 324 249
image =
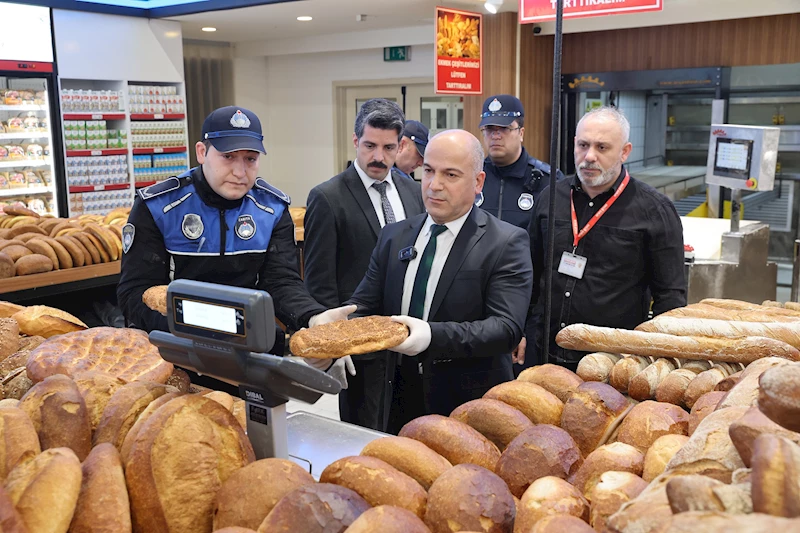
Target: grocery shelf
pixel 21 288
pixel 25 135
pixel 165 150
pixel 95 188
pixel 157 116
pixel 94 116
pixel 24 192
pixel 141 184
pixel 105 151
pixel 20 164
pixel 23 107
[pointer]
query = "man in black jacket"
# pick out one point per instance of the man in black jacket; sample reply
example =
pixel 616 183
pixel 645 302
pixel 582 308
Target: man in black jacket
pixel 343 219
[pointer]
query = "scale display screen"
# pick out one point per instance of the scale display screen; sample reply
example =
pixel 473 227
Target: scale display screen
pixel 209 317
pixel 733 158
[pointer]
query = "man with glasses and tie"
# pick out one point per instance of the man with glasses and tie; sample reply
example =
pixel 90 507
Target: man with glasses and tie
pixel 458 278
pixel 343 219
pixel 514 179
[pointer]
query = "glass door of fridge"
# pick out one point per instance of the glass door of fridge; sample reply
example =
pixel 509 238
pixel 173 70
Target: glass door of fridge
pixel 27 172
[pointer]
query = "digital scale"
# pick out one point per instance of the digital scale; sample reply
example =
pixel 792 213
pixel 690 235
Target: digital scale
pixel 226 333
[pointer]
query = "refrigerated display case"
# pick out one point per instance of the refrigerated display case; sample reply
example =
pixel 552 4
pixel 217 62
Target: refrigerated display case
pixel 29 166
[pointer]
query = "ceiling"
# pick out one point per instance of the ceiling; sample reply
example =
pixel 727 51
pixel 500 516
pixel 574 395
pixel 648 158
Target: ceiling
pixel 279 21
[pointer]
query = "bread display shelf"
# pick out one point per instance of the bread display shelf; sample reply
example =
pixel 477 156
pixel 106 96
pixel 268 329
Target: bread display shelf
pixel 94 116
pixel 106 151
pixel 26 163
pixel 23 107
pixel 68 275
pixel 24 191
pixel 24 135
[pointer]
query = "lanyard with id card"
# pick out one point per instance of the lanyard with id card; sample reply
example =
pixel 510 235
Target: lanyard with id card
pixel 571 264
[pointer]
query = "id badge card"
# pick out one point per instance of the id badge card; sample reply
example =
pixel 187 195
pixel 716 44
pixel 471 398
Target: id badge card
pixel 572 265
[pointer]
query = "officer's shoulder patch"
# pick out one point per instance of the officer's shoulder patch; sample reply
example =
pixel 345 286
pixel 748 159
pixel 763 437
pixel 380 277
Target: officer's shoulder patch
pixel 539 165
pixel 262 184
pixel 160 188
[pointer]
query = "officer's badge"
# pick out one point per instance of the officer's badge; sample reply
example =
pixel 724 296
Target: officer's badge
pixel 525 201
pixel 495 106
pixel 245 227
pixel 479 199
pixel 128 233
pixel 192 226
pixel 240 120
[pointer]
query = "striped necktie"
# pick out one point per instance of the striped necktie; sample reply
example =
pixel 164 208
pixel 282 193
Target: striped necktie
pixel 388 213
pixel 417 306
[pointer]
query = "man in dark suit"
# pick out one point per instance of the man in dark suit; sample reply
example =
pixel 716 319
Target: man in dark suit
pixel 459 279
pixel 343 218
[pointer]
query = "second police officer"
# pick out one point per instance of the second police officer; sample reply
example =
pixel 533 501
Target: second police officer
pixel 514 178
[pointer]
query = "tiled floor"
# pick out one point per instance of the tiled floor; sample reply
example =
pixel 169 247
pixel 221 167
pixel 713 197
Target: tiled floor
pixel 327 406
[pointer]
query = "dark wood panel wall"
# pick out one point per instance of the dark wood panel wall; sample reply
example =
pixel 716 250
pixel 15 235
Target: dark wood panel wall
pixel 729 43
pixel 499 65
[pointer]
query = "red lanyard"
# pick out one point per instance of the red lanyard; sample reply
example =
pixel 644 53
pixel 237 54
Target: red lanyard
pixel 576 235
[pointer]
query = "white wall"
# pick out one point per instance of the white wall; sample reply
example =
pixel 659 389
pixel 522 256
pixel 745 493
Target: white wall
pixel 293 97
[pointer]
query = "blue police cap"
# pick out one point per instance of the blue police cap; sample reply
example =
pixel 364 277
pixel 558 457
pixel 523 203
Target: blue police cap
pixel 417 132
pixel 501 110
pixel 233 128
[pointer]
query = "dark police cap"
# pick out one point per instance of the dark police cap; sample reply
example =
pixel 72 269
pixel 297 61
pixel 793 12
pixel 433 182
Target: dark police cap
pixel 417 132
pixel 233 128
pixel 501 110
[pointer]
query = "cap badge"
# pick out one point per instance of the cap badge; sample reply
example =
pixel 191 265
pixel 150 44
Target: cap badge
pixel 495 106
pixel 240 120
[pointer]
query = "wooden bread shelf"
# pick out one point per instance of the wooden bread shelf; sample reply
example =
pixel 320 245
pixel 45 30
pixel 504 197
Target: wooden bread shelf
pixel 59 277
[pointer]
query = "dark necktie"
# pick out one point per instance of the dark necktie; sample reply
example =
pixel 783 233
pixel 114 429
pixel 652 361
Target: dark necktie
pixel 388 214
pixel 417 306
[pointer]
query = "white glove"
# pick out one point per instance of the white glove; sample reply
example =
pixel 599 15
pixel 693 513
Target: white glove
pixel 335 369
pixel 419 336
pixel 331 315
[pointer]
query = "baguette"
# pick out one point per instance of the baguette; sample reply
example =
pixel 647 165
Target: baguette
pixel 584 337
pixel 794 306
pixel 738 305
pixel 709 311
pixel 782 331
pixel 625 370
pixel 643 385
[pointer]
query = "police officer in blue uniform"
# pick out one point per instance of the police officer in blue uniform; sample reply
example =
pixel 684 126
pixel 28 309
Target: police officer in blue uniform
pixel 514 179
pixel 411 151
pixel 220 223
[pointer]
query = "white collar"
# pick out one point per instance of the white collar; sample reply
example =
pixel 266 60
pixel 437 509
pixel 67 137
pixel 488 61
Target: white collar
pixel 454 225
pixel 369 182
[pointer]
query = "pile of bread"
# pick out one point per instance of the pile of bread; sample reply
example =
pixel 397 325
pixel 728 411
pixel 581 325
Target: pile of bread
pixel 34 244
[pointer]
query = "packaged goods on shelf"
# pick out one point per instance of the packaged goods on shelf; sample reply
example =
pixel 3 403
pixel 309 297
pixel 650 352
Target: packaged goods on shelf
pixel 157 174
pixel 155 99
pixel 30 123
pixel 93 135
pixel 97 170
pixel 99 202
pixel 22 97
pixel 80 100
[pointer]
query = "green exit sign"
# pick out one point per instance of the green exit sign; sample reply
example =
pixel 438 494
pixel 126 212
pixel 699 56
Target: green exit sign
pixel 397 53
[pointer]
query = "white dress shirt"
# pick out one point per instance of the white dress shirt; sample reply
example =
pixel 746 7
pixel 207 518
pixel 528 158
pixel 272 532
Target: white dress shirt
pixel 375 196
pixel 444 243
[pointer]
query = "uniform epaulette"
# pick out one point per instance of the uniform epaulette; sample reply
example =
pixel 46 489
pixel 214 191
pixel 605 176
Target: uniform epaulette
pixel 163 187
pixel 539 165
pixel 262 184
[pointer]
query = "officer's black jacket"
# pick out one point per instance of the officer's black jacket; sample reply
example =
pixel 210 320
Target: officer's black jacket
pixel 634 256
pixel 147 263
pixel 504 186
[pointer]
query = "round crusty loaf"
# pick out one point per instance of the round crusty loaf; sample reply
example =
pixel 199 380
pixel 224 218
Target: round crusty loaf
pixel 592 413
pixel 617 456
pixel 775 471
pixel 410 457
pixel 453 440
pixel 539 405
pixel 706 381
pixel 597 366
pixel 612 490
pixel 625 369
pixel 495 420
pixel 553 378
pixel 156 298
pixel 378 482
pixel 9 337
pixel 471 498
pixel 122 409
pixel 237 504
pixel 778 397
pixel 17 251
pixel 646 512
pixel 660 453
pixel 649 420
pixel 64 259
pixel 387 519
pixel 546 496
pixel 704 406
pixel 6 266
pixel 32 264
pixel 673 388
pixel 59 414
pixel 73 249
pixel 348 337
pixel 189 434
pixel 38 246
pixel 45 490
pixel 317 508
pixel 97 388
pixel 103 505
pixel 180 380
pixel 10 519
pixel 746 391
pixel 152 407
pixel 235 529
pixel 540 451
pixel 561 523
pixel 643 386
pixel 20 442
pixel 752 425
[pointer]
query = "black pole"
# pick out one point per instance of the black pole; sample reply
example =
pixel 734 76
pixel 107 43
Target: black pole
pixel 551 213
